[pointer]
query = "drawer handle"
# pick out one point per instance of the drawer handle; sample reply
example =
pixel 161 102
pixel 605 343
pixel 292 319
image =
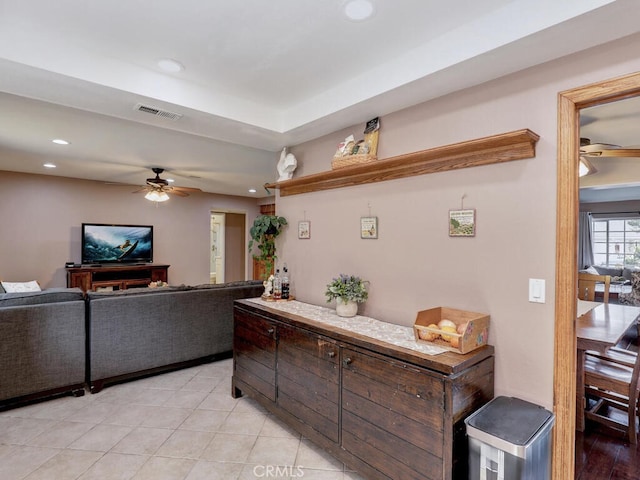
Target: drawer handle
pixel 348 361
pixel 270 331
pixel 332 354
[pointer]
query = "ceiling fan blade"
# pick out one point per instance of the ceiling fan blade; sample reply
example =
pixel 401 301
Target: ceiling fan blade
pixel 143 189
pixel 178 193
pixel 187 189
pixel 618 152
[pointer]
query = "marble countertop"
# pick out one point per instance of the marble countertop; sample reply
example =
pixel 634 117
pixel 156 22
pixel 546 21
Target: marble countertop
pixel 397 335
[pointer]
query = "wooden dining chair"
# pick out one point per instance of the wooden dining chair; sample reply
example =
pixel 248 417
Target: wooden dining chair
pixel 612 382
pixel 587 286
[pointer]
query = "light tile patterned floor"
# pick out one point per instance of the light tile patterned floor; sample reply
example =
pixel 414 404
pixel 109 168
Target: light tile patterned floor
pixel 182 425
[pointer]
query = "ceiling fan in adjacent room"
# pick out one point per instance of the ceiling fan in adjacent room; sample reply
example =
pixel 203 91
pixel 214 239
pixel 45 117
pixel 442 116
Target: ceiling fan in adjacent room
pixel 606 150
pixel 158 189
pixel 601 150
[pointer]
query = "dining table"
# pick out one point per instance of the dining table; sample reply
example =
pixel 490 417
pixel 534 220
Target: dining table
pixel 599 326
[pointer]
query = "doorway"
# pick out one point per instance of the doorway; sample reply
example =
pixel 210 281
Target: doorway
pixel 570 103
pixel 227 248
pixel 216 269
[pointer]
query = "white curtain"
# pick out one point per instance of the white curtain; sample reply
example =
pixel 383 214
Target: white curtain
pixel 585 243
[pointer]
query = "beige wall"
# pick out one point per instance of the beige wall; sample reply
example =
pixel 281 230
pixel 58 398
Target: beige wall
pixel 41 219
pixel 414 264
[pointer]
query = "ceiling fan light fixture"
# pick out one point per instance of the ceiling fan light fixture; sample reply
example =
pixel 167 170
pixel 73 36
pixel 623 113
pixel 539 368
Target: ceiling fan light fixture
pixel 585 167
pixel 157 196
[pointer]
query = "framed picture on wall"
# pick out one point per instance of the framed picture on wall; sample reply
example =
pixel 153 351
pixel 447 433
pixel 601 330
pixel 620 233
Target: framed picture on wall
pixel 462 223
pixel 304 229
pixel 369 227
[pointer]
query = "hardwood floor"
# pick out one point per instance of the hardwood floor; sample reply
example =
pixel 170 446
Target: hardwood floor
pixel 603 454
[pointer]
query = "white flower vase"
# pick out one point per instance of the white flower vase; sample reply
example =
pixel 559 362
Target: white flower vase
pixel 346 308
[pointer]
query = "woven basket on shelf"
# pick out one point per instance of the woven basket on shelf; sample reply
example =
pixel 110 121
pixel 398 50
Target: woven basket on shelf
pixel 347 161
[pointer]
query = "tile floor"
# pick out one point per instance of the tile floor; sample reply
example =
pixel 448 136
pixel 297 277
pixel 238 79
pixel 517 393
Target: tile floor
pixel 175 426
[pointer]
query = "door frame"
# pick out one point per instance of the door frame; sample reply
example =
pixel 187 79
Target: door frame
pixel 245 234
pixel 570 102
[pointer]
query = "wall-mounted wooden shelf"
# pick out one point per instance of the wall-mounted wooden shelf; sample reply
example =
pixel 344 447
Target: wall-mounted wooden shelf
pixel 505 147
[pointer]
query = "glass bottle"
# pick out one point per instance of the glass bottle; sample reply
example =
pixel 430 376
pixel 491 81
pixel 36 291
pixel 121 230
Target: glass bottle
pixel 285 283
pixel 277 285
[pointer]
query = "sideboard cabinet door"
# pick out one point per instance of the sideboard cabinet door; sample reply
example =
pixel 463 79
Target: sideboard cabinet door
pixel 254 354
pixel 393 415
pixel 309 379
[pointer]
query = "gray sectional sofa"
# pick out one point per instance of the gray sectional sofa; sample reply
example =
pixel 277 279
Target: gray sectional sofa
pixel 60 340
pixel 618 274
pixel 42 344
pixel 137 332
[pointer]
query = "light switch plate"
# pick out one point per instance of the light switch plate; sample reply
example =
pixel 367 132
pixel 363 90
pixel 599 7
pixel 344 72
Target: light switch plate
pixel 536 290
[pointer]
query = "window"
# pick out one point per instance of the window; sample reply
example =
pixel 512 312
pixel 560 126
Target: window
pixel 616 242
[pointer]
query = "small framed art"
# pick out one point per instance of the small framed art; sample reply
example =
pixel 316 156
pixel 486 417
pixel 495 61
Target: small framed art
pixel 462 223
pixel 304 229
pixel 369 227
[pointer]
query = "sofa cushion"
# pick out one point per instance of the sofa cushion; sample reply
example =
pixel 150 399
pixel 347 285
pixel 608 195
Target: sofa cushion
pixel 613 271
pixel 171 289
pixel 49 295
pixel 590 271
pixel 240 283
pixel 136 291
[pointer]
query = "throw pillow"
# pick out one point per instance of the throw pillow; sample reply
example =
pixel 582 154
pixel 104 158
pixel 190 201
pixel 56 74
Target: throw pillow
pixel 592 270
pixel 19 287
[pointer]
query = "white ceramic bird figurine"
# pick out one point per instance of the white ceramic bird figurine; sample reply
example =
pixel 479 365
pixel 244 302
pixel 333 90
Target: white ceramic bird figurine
pixel 286 165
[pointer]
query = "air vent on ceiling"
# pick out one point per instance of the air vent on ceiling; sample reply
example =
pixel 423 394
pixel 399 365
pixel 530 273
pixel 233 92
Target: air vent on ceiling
pixel 157 112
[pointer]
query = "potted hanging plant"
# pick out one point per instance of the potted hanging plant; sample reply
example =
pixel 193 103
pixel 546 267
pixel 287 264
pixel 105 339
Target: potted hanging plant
pixel 263 233
pixel 348 291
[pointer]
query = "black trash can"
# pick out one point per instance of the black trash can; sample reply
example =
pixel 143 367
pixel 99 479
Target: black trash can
pixel 510 439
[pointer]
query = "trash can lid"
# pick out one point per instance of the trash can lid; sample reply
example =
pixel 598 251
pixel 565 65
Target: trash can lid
pixel 511 419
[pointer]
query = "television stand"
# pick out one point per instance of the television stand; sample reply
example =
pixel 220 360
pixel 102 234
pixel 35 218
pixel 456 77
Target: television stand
pixel 115 277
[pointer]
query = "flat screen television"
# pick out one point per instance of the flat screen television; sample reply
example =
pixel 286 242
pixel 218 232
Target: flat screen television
pixel 104 243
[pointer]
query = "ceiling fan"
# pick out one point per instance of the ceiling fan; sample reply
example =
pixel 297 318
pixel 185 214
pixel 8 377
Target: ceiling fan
pixel 158 188
pixel 601 150
pixel 606 150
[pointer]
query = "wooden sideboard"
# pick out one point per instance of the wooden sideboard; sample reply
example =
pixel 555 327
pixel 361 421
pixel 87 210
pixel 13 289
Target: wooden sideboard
pixel 386 411
pixel 118 277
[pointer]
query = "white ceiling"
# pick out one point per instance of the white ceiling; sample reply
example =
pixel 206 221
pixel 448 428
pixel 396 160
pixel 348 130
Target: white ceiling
pixel 258 75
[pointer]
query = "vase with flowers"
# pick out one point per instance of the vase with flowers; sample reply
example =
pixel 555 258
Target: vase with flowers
pixel 348 291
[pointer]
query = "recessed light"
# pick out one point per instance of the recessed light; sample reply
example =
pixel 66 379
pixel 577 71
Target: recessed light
pixel 252 190
pixel 170 180
pixel 60 141
pixel 170 65
pixel 49 165
pixel 359 10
